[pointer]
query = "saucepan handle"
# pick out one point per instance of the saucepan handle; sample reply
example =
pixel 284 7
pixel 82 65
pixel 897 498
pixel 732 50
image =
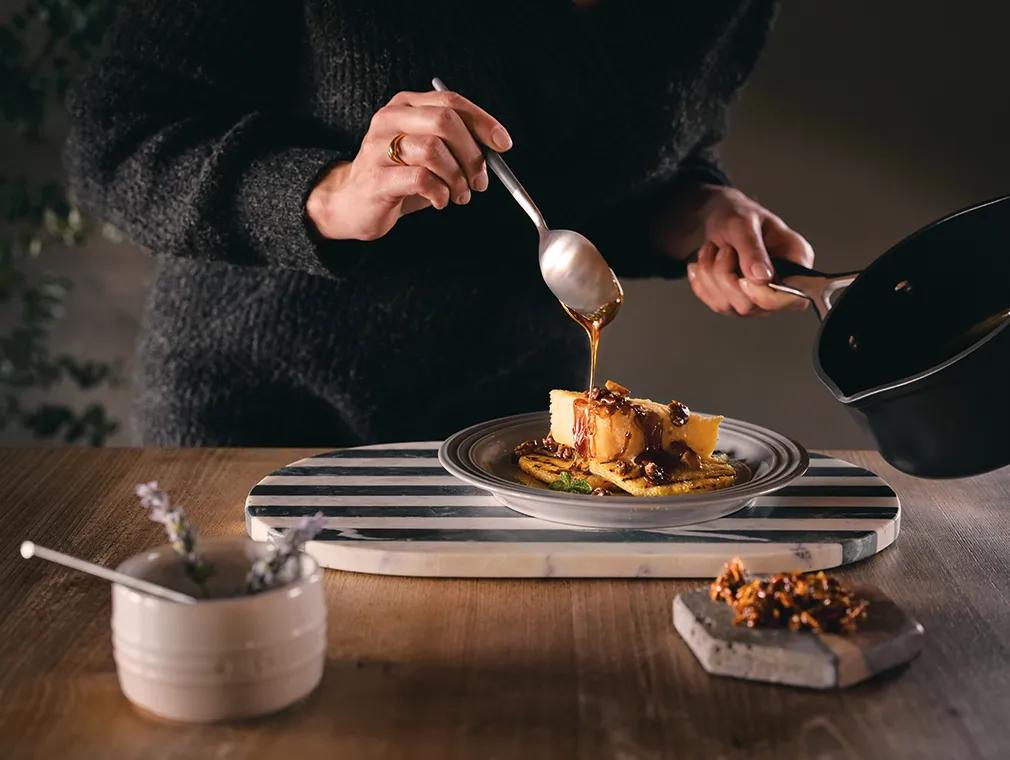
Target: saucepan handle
pixel 786 268
pixel 822 290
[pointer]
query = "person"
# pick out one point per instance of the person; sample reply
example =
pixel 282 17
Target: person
pixel 334 265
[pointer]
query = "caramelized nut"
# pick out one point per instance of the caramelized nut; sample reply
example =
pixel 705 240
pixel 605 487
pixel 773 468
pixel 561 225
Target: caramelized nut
pixel 655 474
pixel 544 447
pixel 800 601
pixel 679 413
pixel 617 388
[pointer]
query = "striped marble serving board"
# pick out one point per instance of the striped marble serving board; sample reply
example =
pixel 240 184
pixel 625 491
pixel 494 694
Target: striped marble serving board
pixel 392 509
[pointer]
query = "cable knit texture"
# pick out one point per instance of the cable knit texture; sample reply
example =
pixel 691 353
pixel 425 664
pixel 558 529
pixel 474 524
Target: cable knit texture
pixel 203 129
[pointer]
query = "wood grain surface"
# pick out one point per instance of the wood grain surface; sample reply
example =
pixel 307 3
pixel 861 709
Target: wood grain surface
pixel 491 668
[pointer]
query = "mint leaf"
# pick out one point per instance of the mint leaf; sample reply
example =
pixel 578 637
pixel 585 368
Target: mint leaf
pixel 566 482
pixel 563 483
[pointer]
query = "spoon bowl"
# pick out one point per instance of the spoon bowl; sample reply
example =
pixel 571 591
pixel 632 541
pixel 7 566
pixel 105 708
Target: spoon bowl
pixel 576 272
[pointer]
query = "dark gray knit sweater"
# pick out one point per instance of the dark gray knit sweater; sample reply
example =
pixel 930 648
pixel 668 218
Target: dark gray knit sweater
pixel 205 126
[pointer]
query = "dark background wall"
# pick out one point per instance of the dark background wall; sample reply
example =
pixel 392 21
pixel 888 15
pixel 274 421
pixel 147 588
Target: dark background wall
pixel 864 121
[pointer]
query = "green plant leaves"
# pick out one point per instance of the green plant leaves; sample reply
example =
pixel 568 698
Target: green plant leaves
pixel 92 426
pixel 42 48
pixel 572 485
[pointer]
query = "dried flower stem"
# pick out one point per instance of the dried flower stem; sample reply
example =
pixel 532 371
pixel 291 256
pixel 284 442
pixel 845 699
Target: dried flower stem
pixel 181 534
pixel 281 565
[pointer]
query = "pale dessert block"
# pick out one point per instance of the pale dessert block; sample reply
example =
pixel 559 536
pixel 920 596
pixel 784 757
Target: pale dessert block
pixel 620 436
pixel 700 433
pixel 616 435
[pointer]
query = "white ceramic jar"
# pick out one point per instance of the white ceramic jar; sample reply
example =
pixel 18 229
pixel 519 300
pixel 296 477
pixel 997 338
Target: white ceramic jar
pixel 221 658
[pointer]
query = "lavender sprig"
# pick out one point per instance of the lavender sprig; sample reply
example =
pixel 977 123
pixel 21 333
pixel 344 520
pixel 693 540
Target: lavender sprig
pixel 181 535
pixel 281 564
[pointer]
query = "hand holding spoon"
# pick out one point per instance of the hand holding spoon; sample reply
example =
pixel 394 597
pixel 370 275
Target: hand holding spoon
pixel 573 268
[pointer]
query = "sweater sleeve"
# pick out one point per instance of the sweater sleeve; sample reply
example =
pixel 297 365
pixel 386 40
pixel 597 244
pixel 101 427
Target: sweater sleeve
pixel 702 166
pixel 646 89
pixel 625 229
pixel 182 135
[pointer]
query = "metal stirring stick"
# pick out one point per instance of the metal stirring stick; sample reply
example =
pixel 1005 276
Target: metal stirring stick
pixel 572 267
pixel 29 550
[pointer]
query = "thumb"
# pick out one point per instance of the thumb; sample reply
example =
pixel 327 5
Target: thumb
pixel 745 236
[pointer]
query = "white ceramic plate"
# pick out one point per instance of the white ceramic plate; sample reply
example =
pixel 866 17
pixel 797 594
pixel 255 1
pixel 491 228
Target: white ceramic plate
pixel 482 456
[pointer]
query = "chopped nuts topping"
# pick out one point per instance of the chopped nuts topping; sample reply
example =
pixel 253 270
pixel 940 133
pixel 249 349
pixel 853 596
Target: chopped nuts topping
pixel 544 446
pixel 606 402
pixel 616 388
pixel 800 601
pixel 654 473
pixel 679 413
pixel 625 469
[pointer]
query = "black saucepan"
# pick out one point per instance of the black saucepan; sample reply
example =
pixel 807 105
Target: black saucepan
pixel 917 346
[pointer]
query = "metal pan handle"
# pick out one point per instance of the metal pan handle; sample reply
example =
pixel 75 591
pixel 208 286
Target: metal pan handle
pixel 822 290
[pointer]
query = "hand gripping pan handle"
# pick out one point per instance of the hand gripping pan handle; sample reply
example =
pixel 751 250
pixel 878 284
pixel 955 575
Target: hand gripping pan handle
pixel 822 290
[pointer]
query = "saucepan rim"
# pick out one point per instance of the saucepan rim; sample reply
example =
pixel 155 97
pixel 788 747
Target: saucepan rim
pixel 851 399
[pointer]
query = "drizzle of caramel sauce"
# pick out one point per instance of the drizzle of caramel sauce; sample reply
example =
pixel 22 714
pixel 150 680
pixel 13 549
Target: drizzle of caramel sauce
pixel 593 324
pixel 585 427
pixel 652 427
pixel 657 462
pixel 601 402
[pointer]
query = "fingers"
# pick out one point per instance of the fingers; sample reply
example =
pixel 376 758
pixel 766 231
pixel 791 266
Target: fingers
pixel 716 281
pixel 768 300
pixel 743 233
pixel 784 243
pixel 433 154
pixel 699 274
pixel 431 121
pixel 734 267
pixel 727 280
pixel 397 182
pixel 483 125
pixel 441 133
pixel 438 160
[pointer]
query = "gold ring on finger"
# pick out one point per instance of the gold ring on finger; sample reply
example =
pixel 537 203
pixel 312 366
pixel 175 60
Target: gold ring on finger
pixel 394 150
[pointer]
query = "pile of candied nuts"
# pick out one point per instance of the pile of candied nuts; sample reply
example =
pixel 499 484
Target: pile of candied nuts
pixel 798 601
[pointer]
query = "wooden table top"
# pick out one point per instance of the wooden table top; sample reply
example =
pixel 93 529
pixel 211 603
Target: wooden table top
pixel 487 668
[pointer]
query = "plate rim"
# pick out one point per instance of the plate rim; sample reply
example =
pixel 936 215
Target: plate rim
pixel 448 454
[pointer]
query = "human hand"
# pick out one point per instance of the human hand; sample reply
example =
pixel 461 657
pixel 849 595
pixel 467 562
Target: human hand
pixel 733 267
pixel 442 162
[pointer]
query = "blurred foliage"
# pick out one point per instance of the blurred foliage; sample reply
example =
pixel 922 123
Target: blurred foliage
pixel 42 47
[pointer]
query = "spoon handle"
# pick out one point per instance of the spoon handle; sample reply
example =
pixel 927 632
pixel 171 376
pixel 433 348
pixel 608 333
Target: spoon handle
pixel 29 550
pixel 502 171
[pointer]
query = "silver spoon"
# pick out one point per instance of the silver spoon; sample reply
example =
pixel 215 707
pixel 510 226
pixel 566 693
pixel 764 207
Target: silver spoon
pixel 570 264
pixel 29 550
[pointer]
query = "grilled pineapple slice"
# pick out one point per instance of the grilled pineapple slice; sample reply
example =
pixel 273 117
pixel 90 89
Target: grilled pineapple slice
pixel 547 469
pixel 711 475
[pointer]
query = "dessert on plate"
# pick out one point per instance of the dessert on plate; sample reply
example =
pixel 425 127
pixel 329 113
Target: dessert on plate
pixel 604 441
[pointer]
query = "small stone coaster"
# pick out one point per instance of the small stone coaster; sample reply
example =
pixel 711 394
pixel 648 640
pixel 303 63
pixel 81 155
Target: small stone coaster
pixel 887 638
